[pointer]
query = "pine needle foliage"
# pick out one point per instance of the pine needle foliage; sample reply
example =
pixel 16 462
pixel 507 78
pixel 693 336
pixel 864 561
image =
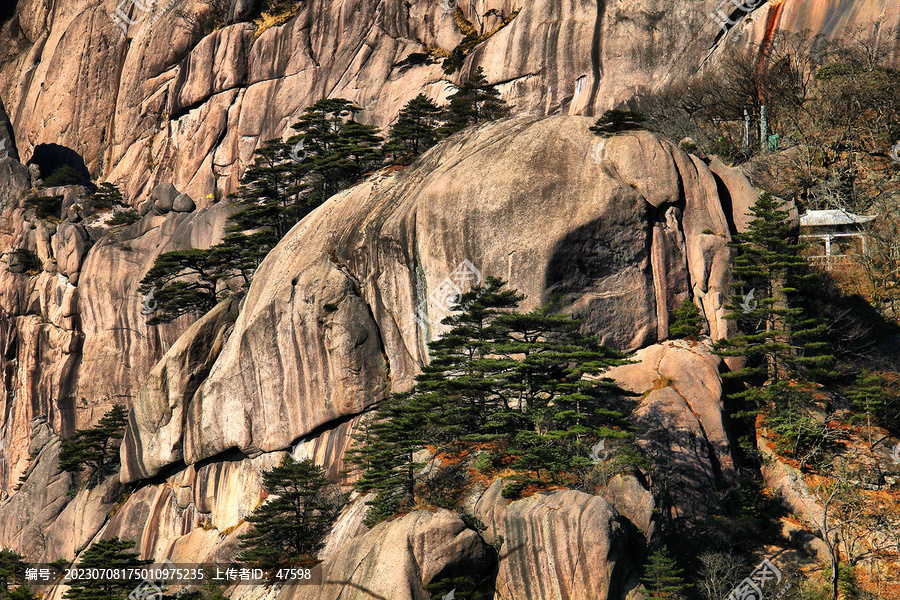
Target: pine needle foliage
pixel 525 384
pixel 778 338
pixel 288 529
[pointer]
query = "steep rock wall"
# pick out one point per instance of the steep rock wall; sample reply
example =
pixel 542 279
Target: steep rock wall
pixel 623 232
pixel 166 103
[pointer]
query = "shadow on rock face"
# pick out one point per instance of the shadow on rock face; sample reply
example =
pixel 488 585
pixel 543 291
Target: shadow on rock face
pixel 7 10
pixel 50 157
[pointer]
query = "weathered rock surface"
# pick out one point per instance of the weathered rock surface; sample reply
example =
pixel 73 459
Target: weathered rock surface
pixel 73 310
pixel 564 544
pixel 172 104
pixel 41 497
pixel 7 137
pixel 633 501
pixel 681 405
pixel 398 558
pixel 336 302
pixel 183 203
pixel 157 414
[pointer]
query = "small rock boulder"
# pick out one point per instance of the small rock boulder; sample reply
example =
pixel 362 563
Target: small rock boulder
pixel 564 544
pixel 399 558
pixel 163 197
pixel 183 203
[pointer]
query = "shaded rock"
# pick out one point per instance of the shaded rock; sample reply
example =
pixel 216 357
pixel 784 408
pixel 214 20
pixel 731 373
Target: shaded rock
pixel 565 544
pixel 633 501
pixel 217 64
pixel 681 408
pixel 145 207
pixel 242 9
pixel 25 516
pixel 7 137
pixel 520 199
pixel 741 194
pixel 399 558
pixel 163 197
pixel 77 524
pixel 197 513
pixel 183 203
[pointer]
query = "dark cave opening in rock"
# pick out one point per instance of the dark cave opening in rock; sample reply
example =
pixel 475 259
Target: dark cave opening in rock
pixel 7 10
pixel 50 158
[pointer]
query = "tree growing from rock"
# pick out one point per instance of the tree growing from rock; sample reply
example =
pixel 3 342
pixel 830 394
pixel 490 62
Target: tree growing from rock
pixel 616 121
pixel 95 449
pixel 515 385
pixel 187 281
pixel 415 130
pixel 107 196
pixel 475 101
pixel 287 180
pixel 688 321
pixel 288 528
pixel 106 556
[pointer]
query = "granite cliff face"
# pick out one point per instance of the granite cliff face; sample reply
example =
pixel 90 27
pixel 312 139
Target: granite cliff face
pixel 623 229
pixel 167 104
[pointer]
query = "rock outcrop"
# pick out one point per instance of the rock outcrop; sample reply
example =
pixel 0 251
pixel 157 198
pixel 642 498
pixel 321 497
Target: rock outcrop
pixel 170 101
pixel 564 544
pixel 399 558
pixel 681 407
pixel 350 292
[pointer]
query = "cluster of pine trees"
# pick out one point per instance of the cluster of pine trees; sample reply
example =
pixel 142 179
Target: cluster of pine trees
pixel 329 152
pixel 520 391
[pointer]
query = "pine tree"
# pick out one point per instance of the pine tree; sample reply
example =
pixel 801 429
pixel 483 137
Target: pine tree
pixel 565 405
pixel 416 128
pixel 877 395
pixel 187 281
pixel 64 175
pixel 107 196
pixel 339 150
pixel 12 571
pixel 288 528
pixel 387 455
pixel 105 555
pixel 269 191
pixel 662 577
pixel 475 101
pixel 19 593
pixel 461 380
pixel 95 448
pixel 777 337
pixel 514 381
pixel 615 121
pixel 687 321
